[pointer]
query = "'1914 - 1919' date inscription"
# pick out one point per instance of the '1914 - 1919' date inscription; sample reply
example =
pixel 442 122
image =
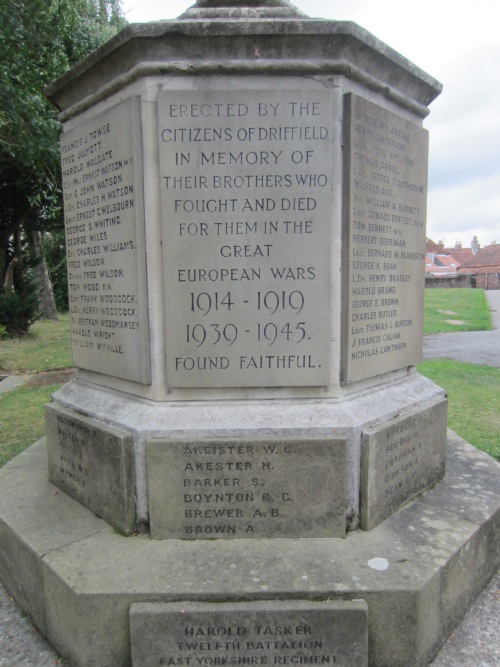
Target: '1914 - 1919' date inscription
pixel 246 195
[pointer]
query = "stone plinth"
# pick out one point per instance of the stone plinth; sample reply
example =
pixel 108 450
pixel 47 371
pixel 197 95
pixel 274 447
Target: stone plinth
pixel 418 571
pixel 245 195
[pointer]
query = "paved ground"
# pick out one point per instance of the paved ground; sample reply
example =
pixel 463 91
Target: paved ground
pixel 476 641
pixel 475 347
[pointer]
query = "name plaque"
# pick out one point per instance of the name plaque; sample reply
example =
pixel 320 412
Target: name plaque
pixel 104 221
pixel 246 187
pixel 401 459
pixel 219 488
pixel 385 195
pixel 93 463
pixel 292 632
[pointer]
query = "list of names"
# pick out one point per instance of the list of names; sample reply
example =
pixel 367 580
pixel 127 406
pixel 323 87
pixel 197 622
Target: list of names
pixel 104 224
pixel 384 240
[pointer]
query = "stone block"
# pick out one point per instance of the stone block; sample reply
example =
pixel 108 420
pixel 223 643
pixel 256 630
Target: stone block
pixel 401 458
pixel 417 570
pixel 20 572
pixel 105 239
pixel 385 201
pixel 250 633
pixel 247 258
pixel 23 538
pixel 87 626
pixel 93 463
pixel 246 488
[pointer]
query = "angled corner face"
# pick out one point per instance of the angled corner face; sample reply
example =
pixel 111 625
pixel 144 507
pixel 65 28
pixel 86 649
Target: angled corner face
pixel 399 459
pixel 246 488
pixel 92 463
pixel 385 200
pixel 105 243
pixel 250 633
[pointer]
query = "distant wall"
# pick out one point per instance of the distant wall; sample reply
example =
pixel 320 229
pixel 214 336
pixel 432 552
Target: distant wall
pixel 487 281
pixel 449 281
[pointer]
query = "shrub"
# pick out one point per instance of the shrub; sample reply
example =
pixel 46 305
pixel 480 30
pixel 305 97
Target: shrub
pixel 19 308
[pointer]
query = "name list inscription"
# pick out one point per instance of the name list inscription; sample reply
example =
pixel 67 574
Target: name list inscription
pixel 250 633
pixel 103 214
pixel 400 460
pixel 244 490
pixel 93 463
pixel 386 194
pixel 246 198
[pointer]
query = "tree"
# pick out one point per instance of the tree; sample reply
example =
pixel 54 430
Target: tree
pixel 39 41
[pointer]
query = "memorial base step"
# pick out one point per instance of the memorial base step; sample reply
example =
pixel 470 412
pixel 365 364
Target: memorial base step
pixel 418 571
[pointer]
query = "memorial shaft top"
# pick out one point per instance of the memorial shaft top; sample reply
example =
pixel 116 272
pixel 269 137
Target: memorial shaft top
pixel 241 3
pixel 213 9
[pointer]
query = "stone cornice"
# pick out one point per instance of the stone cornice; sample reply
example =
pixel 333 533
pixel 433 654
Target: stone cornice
pixel 244 47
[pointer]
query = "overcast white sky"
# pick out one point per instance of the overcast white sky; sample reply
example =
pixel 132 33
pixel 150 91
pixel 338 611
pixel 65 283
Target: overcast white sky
pixel 458 43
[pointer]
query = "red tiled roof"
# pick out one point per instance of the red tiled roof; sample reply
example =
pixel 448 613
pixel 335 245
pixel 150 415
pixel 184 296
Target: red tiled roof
pixel 460 254
pixel 430 246
pixel 485 258
pixel 442 265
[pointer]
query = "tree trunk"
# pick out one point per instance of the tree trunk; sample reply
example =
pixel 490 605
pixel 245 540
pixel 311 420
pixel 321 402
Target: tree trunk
pixel 45 291
pixel 8 282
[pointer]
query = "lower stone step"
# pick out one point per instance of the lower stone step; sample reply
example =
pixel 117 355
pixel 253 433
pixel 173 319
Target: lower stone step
pixel 417 572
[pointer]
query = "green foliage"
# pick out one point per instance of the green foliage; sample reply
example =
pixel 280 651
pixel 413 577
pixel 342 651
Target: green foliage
pixel 39 41
pixel 456 310
pixel 473 400
pixel 19 308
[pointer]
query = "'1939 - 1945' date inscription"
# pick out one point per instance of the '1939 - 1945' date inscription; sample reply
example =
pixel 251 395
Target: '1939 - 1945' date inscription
pixel 246 194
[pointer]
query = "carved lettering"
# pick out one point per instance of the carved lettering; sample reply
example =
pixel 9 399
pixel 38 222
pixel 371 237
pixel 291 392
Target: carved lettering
pixel 385 206
pixel 103 220
pixel 245 194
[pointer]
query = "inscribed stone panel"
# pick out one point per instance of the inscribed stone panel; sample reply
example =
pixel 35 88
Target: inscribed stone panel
pixel 250 633
pixel 400 459
pixel 93 463
pixel 246 488
pixel 385 197
pixel 246 187
pixel 104 221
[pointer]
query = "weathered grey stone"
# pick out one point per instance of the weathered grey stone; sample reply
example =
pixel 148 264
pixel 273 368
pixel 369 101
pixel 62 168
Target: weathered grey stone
pixel 250 633
pixel 470 497
pixel 104 222
pixel 24 539
pixel 385 201
pixel 417 570
pixel 246 488
pixel 245 213
pixel 241 9
pixel 401 458
pixel 202 420
pixel 93 463
pixel 301 47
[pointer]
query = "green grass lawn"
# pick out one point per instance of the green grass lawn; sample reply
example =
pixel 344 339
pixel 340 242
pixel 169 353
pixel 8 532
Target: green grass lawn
pixel 473 400
pixel 17 433
pixel 456 310
pixel 46 347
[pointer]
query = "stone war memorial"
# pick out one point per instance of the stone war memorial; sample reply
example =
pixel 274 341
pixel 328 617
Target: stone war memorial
pixel 247 468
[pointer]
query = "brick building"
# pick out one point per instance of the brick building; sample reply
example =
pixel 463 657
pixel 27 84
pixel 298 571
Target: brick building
pixel 483 269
